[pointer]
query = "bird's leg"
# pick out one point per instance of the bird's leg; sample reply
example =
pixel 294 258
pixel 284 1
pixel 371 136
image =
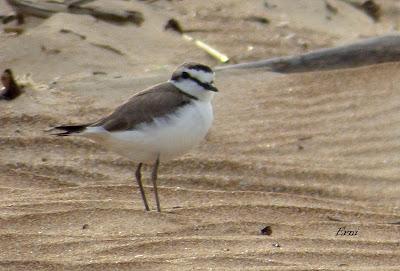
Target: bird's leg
pixel 154 179
pixel 138 175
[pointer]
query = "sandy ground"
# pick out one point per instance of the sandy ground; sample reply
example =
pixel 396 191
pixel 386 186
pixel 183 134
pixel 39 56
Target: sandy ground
pixel 306 154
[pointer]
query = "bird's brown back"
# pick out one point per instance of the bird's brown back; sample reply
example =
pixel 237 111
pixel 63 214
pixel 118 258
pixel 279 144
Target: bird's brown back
pixel 145 106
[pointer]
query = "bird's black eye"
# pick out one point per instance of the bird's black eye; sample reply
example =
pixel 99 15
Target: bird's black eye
pixel 185 75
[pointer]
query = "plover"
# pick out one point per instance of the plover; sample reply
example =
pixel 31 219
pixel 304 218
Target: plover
pixel 157 124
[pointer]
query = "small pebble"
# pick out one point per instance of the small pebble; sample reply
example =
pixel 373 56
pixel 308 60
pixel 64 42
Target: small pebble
pixel 266 230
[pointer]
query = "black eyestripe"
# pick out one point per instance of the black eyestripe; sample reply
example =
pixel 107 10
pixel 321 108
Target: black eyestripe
pixel 186 75
pixel 204 85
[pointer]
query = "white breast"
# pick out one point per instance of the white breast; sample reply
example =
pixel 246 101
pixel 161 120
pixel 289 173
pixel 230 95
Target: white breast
pixel 168 136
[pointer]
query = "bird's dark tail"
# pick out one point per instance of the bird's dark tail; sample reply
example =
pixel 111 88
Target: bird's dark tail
pixel 66 130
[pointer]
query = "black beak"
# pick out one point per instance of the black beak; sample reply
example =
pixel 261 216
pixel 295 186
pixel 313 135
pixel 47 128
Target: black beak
pixel 212 88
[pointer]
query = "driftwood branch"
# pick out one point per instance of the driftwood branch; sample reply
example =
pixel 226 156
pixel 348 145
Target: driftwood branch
pixel 101 13
pixel 365 52
pixel 45 10
pixel 41 10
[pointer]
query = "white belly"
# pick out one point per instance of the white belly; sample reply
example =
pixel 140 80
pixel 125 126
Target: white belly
pixel 167 137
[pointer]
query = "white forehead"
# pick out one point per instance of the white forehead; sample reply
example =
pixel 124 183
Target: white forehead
pixel 202 76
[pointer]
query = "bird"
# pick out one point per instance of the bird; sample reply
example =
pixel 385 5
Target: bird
pixel 11 88
pixel 157 124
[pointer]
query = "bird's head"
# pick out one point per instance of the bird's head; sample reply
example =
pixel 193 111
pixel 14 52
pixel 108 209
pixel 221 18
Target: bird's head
pixel 195 79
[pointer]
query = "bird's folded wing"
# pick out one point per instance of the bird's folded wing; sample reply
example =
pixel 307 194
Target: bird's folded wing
pixel 144 107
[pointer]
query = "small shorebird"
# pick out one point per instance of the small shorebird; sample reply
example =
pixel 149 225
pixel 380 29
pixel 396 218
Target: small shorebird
pixel 158 123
